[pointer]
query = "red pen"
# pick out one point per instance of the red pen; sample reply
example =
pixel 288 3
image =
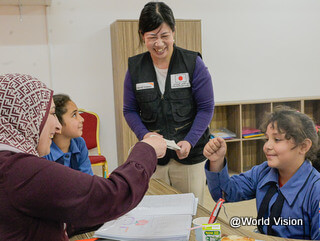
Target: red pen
pixel 216 211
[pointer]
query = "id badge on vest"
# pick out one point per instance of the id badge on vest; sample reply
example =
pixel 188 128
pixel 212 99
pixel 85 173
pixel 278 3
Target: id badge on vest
pixel 143 86
pixel 180 81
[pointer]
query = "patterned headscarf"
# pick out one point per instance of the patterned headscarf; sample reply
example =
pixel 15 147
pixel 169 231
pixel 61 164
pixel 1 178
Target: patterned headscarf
pixel 24 108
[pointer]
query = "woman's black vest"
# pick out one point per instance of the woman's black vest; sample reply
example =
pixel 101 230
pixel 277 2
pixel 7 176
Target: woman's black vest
pixel 171 114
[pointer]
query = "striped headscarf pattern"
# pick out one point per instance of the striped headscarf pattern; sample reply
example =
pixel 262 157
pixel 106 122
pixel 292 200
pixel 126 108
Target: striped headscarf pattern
pixel 24 108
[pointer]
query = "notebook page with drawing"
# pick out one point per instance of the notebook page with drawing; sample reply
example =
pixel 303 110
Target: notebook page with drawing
pixel 146 228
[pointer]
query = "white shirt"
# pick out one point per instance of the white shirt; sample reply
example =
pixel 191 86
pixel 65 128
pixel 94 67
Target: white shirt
pixel 161 77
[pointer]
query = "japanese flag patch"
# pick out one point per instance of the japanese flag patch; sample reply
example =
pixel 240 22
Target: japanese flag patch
pixel 180 81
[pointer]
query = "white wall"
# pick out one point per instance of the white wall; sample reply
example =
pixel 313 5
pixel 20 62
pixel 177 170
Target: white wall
pixel 23 42
pixel 253 49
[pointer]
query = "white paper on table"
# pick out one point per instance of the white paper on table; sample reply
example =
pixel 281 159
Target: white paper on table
pixel 159 227
pixel 185 203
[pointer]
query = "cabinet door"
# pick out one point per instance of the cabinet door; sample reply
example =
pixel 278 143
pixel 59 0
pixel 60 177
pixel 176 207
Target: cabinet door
pixel 312 109
pixel 125 43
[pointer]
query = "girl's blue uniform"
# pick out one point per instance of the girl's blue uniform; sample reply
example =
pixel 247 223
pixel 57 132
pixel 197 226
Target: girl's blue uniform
pixel 77 158
pixel 300 211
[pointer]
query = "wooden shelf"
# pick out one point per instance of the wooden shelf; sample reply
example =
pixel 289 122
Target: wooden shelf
pixel 227 116
pixel 312 109
pixel 234 153
pixel 252 154
pixel 244 153
pixel 254 138
pixel 293 104
pixel 233 140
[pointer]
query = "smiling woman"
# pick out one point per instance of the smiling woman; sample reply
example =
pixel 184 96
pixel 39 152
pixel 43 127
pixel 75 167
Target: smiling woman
pixel 168 92
pixel 51 127
pixel 159 43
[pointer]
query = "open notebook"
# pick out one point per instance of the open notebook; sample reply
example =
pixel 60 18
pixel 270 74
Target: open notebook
pixel 157 217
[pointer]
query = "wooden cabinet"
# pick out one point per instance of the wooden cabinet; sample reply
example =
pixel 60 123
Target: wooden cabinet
pixel 243 153
pixel 125 43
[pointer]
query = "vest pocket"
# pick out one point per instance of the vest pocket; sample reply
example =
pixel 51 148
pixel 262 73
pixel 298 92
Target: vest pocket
pixel 182 111
pixel 149 103
pixel 182 105
pixel 148 117
pixel 146 96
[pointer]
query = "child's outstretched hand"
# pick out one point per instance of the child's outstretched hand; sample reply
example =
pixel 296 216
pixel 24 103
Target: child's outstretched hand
pixel 215 151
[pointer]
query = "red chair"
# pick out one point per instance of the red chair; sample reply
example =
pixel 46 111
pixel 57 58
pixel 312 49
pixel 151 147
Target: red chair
pixel 90 133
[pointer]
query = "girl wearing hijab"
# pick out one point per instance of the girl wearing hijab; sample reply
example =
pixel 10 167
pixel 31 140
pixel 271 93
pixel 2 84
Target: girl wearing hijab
pixel 40 198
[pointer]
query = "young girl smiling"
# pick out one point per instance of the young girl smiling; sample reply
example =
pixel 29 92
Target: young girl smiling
pixel 286 186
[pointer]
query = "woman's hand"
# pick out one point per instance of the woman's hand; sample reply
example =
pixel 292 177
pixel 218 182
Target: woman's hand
pixel 151 134
pixel 185 149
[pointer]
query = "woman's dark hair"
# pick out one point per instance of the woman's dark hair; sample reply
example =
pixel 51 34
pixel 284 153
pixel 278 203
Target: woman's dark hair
pixel 295 125
pixel 153 15
pixel 61 101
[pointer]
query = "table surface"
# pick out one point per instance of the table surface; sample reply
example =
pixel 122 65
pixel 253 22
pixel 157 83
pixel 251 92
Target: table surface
pixel 158 187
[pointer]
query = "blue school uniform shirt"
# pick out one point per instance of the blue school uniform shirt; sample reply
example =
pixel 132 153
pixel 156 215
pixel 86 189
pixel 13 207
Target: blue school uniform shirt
pixel 77 157
pixel 301 192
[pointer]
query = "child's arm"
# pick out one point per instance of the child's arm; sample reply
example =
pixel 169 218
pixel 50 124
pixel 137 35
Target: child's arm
pixel 215 151
pixel 238 187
